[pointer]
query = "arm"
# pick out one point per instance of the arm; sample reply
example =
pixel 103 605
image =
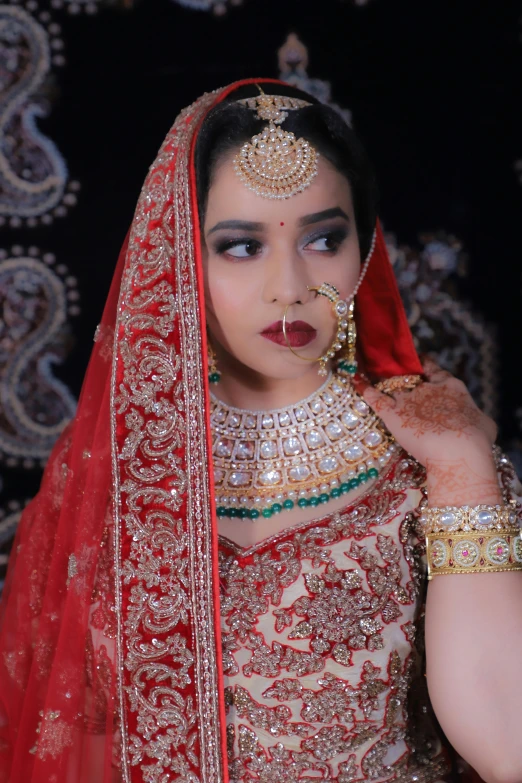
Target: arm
pixel 474 637
pixel 473 621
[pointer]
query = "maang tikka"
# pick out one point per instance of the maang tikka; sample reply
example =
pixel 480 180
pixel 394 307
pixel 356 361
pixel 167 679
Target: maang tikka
pixel 274 164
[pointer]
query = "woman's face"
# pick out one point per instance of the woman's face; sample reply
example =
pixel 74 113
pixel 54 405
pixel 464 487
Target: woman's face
pixel 260 255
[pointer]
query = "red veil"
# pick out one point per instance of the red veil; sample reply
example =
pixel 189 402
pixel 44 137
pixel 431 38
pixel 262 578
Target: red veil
pixel 110 645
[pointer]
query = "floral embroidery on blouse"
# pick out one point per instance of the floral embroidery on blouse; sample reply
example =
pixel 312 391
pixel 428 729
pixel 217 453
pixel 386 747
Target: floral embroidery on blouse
pixel 319 646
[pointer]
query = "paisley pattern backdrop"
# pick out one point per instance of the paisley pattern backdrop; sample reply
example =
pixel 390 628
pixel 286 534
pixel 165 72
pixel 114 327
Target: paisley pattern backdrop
pixel 34 181
pixel 35 405
pixel 91 86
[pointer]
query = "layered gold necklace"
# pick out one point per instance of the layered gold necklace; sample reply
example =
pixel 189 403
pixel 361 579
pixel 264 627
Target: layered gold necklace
pixel 303 455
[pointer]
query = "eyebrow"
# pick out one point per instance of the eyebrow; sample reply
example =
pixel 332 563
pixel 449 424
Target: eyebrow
pixel 326 214
pixel 241 225
pixel 307 220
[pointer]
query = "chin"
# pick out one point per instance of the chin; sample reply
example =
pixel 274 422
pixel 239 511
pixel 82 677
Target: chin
pixel 282 371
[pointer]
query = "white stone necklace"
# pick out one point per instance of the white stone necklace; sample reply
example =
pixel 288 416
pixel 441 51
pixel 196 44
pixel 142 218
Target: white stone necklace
pixel 306 454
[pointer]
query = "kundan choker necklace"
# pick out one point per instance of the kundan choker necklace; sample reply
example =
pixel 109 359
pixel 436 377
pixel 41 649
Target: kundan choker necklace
pixel 321 448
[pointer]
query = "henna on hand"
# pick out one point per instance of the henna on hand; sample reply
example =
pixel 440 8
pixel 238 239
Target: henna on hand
pixel 438 410
pixel 455 482
pixel 380 402
pixel 436 420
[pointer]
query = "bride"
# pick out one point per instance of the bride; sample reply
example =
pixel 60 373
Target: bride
pixel 224 576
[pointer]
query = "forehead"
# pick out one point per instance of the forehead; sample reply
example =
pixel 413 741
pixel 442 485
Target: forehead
pixel 229 198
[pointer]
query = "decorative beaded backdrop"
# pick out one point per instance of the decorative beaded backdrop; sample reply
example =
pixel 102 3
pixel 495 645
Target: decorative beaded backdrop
pixel 430 87
pixel 36 298
pixel 34 181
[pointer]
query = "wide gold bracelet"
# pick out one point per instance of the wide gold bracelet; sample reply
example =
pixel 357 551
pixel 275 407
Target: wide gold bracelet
pixel 479 553
pixel 467 519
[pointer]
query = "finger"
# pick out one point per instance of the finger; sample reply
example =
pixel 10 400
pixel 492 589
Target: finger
pixel 429 364
pixel 429 359
pixel 380 402
pixel 434 372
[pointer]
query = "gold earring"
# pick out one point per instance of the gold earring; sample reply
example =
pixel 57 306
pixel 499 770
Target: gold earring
pixel 214 376
pixel 348 362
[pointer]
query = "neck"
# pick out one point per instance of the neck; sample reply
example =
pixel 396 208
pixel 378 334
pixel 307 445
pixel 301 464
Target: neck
pixel 251 391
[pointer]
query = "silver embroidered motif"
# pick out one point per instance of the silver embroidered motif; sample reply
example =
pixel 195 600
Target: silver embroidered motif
pixel 318 671
pixel 163 559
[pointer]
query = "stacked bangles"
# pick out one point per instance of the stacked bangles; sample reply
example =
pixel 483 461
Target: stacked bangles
pixel 472 539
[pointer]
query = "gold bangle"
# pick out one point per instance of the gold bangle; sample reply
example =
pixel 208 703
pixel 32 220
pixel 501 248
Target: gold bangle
pixel 461 553
pixel 467 519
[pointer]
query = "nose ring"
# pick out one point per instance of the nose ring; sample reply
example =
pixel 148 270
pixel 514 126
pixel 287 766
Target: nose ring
pixel 343 312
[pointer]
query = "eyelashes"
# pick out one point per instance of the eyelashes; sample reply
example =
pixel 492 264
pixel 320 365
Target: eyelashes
pixel 247 247
pixel 251 246
pixel 334 237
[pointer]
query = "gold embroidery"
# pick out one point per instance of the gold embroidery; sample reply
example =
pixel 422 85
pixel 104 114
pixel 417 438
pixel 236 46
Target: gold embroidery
pixel 338 699
pixel 272 719
pixel 163 535
pixel 277 766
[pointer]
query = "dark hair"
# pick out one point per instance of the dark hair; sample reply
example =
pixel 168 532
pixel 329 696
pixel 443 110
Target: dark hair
pixel 229 125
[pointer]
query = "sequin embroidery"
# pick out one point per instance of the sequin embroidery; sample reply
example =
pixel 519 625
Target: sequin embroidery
pixel 319 646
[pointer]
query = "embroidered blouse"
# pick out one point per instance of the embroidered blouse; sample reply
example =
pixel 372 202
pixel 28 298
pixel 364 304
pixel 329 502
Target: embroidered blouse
pixel 323 645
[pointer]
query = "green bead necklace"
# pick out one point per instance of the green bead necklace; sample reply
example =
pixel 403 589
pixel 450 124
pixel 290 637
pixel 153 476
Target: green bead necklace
pixel 242 512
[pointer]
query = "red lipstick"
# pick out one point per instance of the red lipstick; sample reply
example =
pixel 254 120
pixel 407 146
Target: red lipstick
pixel 299 333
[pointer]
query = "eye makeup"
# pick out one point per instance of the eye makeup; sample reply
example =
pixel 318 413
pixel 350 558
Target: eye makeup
pixel 225 246
pixel 335 236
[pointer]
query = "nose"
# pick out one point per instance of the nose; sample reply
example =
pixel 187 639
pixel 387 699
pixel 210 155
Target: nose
pixel 286 279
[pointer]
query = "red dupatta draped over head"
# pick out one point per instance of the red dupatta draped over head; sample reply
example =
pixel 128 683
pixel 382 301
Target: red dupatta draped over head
pixel 110 661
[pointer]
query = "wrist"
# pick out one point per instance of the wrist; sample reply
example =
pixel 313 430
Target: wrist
pixel 464 479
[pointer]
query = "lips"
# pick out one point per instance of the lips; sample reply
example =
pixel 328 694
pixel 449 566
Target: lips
pixel 299 333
